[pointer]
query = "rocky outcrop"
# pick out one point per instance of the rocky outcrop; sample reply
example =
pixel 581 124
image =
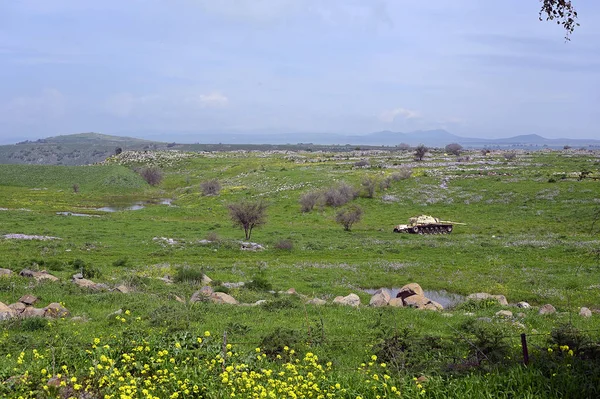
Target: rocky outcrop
pixel 547 309
pixel 316 301
pixel 481 296
pixel 6 312
pixel 28 299
pixel 222 298
pixel 123 289
pixel 55 310
pixel 348 300
pixel 38 276
pixel 504 313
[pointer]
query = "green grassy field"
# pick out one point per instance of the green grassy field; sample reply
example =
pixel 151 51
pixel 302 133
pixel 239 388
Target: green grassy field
pixel 528 235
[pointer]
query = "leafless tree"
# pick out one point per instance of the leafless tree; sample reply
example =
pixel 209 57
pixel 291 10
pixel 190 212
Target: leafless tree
pixel 152 175
pixel 348 216
pixel 210 187
pixel 309 200
pixel 369 184
pixel 248 215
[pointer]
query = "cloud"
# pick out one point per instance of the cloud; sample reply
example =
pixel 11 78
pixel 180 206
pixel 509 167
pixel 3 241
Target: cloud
pixel 390 116
pixel 49 104
pixel 214 99
pixel 125 104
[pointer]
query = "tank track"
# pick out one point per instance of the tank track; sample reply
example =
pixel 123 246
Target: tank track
pixel 431 229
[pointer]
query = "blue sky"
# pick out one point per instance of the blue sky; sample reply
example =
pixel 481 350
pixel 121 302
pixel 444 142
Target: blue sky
pixel 475 68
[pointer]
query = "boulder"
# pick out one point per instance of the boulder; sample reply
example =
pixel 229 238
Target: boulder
pixel 28 299
pixel 6 312
pixel 396 302
pixel 30 311
pixel 234 285
pixel 433 305
pixel 18 307
pixel 77 276
pixel 291 291
pixel 523 305
pixel 416 301
pixel 85 283
pixel 547 309
pixel 206 280
pixel 55 309
pixel 221 297
pixel 348 300
pixel 202 294
pixel 410 290
pixel 316 301
pixel 481 296
pixel 38 276
pixel 585 312
pixel 123 289
pixel 380 298
pixel 5 272
pixel 504 313
pixel 178 299
pixel 259 302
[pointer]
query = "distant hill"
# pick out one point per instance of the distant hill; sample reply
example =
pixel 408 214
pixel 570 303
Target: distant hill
pixel 72 149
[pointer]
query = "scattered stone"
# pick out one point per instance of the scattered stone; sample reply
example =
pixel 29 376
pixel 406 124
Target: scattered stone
pixel 165 240
pixel 259 302
pixel 481 296
pixel 89 284
pixel 29 237
pixel 233 285
pixel 17 307
pixel 547 309
pixel 30 311
pixel 504 313
pixel 5 272
pixel 123 289
pixel 115 313
pixel 202 295
pixel 28 299
pixel 55 309
pixel 38 276
pixel 206 280
pixel 410 290
pixel 396 302
pixel 348 300
pixel 485 319
pixel 167 279
pixel 585 312
pixel 77 276
pixel 523 305
pixel 221 297
pixel 316 301
pixel 6 312
pixel 251 246
pixel 178 299
pixel 380 298
pixel 291 291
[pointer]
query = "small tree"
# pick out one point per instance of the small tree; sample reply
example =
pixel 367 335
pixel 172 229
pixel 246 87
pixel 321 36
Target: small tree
pixel 454 149
pixel 347 217
pixel 152 175
pixel 309 200
pixel 210 187
pixel 420 152
pixel 118 150
pixel 369 184
pixel 248 215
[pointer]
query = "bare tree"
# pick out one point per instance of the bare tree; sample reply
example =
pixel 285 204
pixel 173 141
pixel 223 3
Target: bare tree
pixel 369 184
pixel 348 216
pixel 454 148
pixel 420 152
pixel 248 215
pixel 340 195
pixel 210 187
pixel 309 200
pixel 152 175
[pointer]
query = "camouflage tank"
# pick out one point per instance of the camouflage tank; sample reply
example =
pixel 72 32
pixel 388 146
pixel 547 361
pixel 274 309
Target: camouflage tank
pixel 424 224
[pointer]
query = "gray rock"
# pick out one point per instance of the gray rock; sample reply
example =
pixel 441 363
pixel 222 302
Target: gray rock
pixel 5 272
pixel 521 315
pixel 55 310
pixel 316 301
pixel 123 289
pixel 251 246
pixel 547 309
pixel 115 313
pixel 28 299
pixel 585 312
pixel 259 302
pixel 221 297
pixel 504 313
pixel 18 307
pixel 167 279
pixel 380 298
pixel 234 285
pixel 85 283
pixel 206 280
pixel 480 296
pixel 523 305
pixel 30 311
pixel 202 295
pixel 6 312
pixel 77 276
pixel 348 300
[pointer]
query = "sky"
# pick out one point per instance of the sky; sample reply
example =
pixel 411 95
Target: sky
pixel 166 68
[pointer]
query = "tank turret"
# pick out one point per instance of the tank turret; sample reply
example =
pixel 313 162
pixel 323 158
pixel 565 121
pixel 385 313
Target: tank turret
pixel 425 224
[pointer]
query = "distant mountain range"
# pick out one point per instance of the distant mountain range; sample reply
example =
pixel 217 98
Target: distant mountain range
pixel 87 148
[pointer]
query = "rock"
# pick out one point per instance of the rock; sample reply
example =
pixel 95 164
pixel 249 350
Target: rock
pixel 55 310
pixel 421 302
pixel 251 246
pixel 233 285
pixel 18 307
pixel 77 276
pixel 380 298
pixel 5 272
pixel 221 297
pixel 485 319
pixel 123 289
pixel 28 299
pixel 585 312
pixel 259 302
pixel 422 379
pixel 348 300
pixel 396 302
pixel 291 291
pixel 504 313
pixel 115 313
pixel 85 283
pixel 206 280
pixel 202 295
pixel 547 309
pixel 178 299
pixel 480 296
pixel 6 312
pixel 519 325
pixel 167 279
pixel 38 276
pixel 30 311
pixel 410 290
pixel 316 301
pixel 79 319
pixel 433 305
pixel 521 315
pixel 523 305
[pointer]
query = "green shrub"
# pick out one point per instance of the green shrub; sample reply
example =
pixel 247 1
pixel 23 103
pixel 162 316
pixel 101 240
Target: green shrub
pixel 275 343
pixel 186 274
pixel 259 283
pixel 121 262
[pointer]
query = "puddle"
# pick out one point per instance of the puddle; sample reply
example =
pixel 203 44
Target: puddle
pixel 447 299
pixel 135 206
pixel 77 214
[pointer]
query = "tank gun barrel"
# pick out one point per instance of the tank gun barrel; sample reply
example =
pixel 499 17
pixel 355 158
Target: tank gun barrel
pixel 447 221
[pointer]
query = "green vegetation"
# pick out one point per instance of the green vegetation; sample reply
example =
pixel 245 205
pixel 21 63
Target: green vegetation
pixel 525 237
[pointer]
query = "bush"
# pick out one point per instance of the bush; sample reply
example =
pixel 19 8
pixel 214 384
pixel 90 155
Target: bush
pixel 282 302
pixel 369 184
pixel 213 237
pixel 309 200
pixel 454 149
pixel 347 217
pixel 121 262
pixel 275 343
pixel 186 274
pixel 420 152
pixel 340 195
pixel 509 156
pixel 210 187
pixel 259 283
pixel 285 245
pixel 402 174
pixel 152 175
pixel 248 215
pixel 403 147
pixel 362 163
pixel 75 188
pixel 385 183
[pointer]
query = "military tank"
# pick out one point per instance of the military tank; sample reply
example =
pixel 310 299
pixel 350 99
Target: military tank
pixel 425 224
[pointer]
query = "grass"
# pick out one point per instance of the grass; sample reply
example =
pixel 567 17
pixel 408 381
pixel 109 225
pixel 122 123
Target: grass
pixel 525 237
